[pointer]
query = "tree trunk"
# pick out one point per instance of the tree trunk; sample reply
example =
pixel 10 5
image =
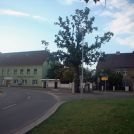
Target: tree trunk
pixel 76 80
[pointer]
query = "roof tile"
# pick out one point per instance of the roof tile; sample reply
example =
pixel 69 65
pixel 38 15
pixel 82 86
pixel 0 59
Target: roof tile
pixel 112 61
pixel 22 58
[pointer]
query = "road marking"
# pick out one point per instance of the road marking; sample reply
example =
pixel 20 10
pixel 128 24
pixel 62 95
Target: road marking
pixel 7 107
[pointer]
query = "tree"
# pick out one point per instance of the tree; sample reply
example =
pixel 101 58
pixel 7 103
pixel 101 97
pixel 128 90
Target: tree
pixel 114 79
pixel 88 75
pixel 71 37
pixel 54 72
pixel 45 43
pixel 67 75
pixel 93 0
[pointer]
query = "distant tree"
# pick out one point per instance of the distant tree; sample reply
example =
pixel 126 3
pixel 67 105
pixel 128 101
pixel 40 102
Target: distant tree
pixel 47 51
pixel 114 79
pixel 45 43
pixel 70 39
pixel 67 75
pixel 87 75
pixel 93 0
pixel 54 71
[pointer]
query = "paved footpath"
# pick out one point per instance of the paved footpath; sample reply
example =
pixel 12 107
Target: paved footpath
pixel 66 95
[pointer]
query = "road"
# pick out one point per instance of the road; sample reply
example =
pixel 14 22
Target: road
pixel 20 107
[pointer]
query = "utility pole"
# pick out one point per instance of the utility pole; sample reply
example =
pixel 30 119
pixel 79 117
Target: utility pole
pixel 82 71
pixel 81 30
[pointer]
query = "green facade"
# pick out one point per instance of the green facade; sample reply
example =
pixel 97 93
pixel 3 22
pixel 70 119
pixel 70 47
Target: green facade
pixel 22 75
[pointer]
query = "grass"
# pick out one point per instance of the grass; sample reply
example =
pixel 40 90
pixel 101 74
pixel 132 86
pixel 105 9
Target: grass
pixel 90 117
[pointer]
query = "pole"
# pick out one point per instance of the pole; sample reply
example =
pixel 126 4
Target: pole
pixel 82 67
pixel 82 73
pixel 105 85
pixel 81 30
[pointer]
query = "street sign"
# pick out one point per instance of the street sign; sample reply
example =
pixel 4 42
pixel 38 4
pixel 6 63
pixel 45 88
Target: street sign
pixel 104 78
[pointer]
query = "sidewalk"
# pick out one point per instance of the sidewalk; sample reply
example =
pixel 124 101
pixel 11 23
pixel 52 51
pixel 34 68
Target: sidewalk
pixel 66 95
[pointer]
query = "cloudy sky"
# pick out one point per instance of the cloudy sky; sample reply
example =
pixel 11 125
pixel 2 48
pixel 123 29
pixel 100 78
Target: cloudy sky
pixel 23 24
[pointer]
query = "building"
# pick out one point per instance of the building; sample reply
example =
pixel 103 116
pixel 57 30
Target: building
pixel 22 68
pixel 120 63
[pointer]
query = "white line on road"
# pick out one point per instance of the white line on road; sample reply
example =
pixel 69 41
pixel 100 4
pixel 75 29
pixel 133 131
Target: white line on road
pixel 7 107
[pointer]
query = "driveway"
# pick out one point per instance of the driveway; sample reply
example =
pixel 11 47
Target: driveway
pixel 21 107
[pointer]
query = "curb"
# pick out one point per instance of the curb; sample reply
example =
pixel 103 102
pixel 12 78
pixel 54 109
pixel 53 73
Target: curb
pixel 51 111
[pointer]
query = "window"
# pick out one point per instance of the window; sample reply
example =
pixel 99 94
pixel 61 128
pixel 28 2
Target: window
pixel 8 71
pixel 35 71
pixel 22 81
pixel 25 81
pixel 2 72
pixel 21 72
pixel 118 72
pixel 28 71
pixel 34 82
pixel 125 73
pixel 15 71
pixel 15 81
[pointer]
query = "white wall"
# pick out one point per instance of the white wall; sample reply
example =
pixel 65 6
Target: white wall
pixel 59 85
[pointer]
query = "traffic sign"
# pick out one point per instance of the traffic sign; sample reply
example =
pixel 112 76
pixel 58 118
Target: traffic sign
pixel 104 78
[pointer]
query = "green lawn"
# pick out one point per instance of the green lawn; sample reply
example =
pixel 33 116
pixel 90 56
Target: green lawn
pixel 91 117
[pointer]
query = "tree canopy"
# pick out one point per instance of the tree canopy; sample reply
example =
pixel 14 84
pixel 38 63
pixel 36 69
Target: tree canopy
pixel 54 71
pixel 70 40
pixel 93 0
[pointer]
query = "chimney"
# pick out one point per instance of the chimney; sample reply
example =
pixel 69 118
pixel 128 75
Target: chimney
pixel 117 52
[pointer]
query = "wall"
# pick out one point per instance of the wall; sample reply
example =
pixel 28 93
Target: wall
pixel 131 72
pixel 128 77
pixel 69 86
pixel 51 83
pixel 8 73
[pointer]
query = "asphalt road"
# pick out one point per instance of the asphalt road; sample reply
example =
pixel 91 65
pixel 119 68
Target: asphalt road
pixel 20 107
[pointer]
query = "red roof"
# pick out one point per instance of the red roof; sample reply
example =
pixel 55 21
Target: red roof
pixel 22 58
pixel 119 60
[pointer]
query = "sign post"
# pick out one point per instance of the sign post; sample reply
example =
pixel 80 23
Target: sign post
pixel 105 78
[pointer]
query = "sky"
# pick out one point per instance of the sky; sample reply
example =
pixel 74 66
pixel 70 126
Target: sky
pixel 24 23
